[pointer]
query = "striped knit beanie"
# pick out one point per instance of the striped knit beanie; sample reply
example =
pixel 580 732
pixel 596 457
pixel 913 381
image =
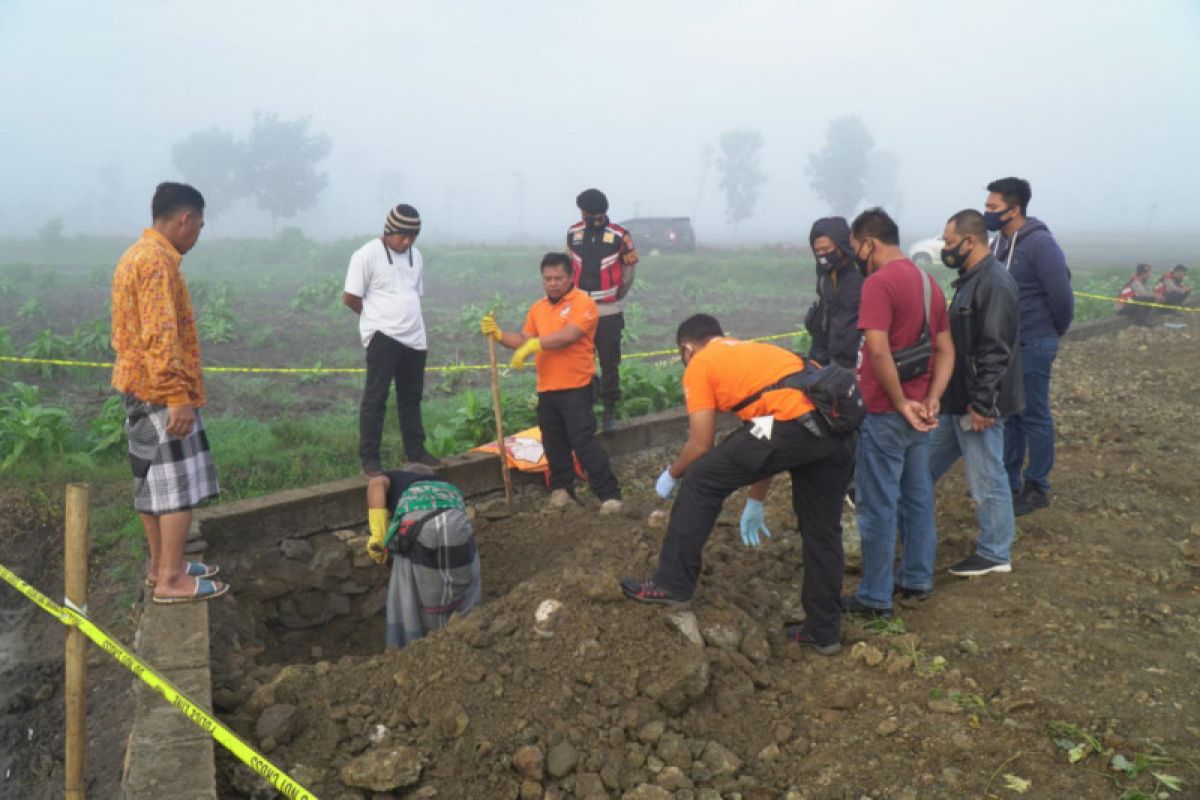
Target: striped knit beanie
pixel 403 219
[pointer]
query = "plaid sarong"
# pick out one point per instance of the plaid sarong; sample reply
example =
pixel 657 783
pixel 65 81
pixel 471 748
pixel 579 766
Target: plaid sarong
pixel 169 473
pixel 436 576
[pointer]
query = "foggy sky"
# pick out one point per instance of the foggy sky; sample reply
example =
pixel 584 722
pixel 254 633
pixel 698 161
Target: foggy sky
pixel 1095 101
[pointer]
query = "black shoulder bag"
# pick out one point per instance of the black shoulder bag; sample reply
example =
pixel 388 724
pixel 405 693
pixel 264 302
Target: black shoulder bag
pixel 913 361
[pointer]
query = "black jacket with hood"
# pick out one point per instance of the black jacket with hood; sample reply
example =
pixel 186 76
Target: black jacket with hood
pixel 985 322
pixel 832 321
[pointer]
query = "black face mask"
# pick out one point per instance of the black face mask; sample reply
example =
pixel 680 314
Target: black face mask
pixel 955 258
pixel 597 223
pixel 828 262
pixel 864 266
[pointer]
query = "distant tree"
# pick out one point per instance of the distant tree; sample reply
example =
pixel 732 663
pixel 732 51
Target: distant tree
pixel 281 157
pixel 213 161
pixel 52 231
pixel 838 171
pixel 707 157
pixel 883 179
pixel 741 178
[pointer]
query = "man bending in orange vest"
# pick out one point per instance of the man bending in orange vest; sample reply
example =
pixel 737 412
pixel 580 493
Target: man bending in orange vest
pixel 781 432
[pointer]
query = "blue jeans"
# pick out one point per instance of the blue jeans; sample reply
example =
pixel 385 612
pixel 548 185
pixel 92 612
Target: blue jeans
pixel 894 493
pixel 1033 425
pixel 983 453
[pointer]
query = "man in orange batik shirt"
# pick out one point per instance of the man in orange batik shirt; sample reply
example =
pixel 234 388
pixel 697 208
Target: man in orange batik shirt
pixel 158 371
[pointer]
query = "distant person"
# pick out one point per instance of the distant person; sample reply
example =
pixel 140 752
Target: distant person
pixel 1137 288
pixel 421 522
pixel 780 432
pixel 984 389
pixel 832 321
pixel 1028 250
pixel 558 332
pixel 158 371
pixel 604 261
pixel 907 358
pixel 384 285
pixel 1170 289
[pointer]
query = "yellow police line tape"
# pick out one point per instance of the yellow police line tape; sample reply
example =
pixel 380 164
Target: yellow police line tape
pixel 61 362
pixel 1146 303
pixel 73 616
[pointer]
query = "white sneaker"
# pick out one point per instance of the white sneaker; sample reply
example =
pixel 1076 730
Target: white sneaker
pixel 611 506
pixel 560 498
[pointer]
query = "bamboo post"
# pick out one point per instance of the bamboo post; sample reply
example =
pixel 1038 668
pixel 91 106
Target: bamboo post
pixel 499 423
pixel 76 575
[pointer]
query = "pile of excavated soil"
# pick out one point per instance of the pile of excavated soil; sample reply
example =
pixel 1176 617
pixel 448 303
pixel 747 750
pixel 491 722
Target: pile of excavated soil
pixel 1097 627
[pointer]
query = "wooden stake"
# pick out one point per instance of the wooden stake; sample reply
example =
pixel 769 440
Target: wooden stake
pixel 76 575
pixel 499 423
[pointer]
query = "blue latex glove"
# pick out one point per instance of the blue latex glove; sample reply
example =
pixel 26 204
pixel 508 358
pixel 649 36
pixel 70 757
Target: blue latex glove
pixel 665 484
pixel 753 520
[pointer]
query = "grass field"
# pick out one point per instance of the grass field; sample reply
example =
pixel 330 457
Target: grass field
pixel 277 303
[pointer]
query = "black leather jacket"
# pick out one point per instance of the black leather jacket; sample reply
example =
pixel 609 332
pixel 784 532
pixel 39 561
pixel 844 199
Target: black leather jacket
pixel 984 324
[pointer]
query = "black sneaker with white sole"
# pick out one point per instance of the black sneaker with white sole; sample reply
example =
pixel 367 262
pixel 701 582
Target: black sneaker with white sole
pixel 647 591
pixel 978 565
pixel 796 635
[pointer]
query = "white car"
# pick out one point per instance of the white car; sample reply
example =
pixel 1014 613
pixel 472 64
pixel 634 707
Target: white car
pixel 927 252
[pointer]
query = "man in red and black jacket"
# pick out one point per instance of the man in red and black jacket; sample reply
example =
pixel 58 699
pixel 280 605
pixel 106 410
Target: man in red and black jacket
pixel 603 260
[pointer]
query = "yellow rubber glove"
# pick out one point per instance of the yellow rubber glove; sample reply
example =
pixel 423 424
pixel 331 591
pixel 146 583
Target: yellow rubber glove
pixel 377 521
pixel 489 327
pixel 523 352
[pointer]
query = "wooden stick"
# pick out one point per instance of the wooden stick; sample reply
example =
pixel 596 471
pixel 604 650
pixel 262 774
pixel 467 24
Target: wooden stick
pixel 76 575
pixel 499 424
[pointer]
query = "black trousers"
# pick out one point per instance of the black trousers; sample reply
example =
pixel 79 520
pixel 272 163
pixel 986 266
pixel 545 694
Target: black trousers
pixel 390 361
pixel 608 350
pixel 820 467
pixel 569 424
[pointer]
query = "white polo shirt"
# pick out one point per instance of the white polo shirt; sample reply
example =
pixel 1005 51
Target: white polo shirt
pixel 390 292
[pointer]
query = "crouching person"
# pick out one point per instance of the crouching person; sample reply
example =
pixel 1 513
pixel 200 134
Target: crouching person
pixel 421 522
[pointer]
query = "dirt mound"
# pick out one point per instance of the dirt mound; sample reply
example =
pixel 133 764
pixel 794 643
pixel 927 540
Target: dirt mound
pixel 1096 628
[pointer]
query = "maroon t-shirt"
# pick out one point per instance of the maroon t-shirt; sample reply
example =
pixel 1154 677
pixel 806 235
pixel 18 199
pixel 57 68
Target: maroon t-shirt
pixel 893 300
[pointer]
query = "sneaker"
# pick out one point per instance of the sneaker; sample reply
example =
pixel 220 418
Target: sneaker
pixel 647 591
pixel 609 420
pixel 560 498
pixel 978 565
pixel 852 605
pixel 796 635
pixel 372 470
pixel 912 594
pixel 611 506
pixel 429 460
pixel 1030 499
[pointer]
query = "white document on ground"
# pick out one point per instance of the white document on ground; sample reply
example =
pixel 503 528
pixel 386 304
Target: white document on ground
pixel 762 427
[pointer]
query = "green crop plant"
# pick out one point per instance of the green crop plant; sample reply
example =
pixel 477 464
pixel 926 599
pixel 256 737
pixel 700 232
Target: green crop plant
pixel 31 309
pixel 646 388
pixel 107 430
pixel 48 345
pixel 92 339
pixel 324 294
pixel 28 428
pixel 217 323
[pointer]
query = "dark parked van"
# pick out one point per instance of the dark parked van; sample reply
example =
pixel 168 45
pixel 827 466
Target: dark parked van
pixel 661 234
